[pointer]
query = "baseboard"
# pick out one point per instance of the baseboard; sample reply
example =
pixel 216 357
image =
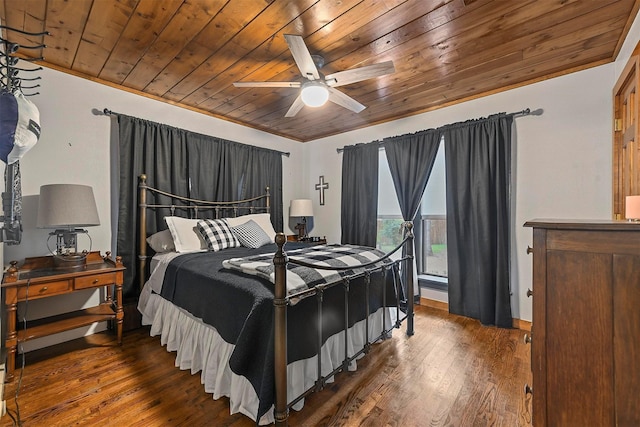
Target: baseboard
pixel 439 305
pixel 525 325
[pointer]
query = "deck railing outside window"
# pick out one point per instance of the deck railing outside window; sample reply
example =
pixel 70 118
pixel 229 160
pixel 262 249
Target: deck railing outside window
pixel 430 237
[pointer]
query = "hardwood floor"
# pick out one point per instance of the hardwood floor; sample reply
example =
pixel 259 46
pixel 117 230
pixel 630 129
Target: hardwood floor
pixel 452 372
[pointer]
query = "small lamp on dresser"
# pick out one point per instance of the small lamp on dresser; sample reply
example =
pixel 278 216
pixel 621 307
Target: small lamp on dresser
pixel 301 208
pixel 632 208
pixel 66 208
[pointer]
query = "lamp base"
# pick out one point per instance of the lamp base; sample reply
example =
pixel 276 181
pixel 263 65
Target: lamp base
pixel 76 261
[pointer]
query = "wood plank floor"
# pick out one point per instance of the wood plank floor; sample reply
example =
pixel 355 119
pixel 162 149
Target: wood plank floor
pixel 452 372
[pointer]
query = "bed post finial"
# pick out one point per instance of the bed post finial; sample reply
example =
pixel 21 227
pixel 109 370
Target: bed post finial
pixel 280 331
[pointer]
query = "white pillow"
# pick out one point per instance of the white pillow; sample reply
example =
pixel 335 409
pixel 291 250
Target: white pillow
pixel 251 235
pixel 161 242
pixel 186 237
pixel 263 220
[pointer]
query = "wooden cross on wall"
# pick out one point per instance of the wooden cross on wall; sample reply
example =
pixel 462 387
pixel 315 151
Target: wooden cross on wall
pixel 321 186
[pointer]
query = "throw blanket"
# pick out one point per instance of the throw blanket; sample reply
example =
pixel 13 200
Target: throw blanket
pixel 300 278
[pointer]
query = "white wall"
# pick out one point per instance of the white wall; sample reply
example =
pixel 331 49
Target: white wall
pixel 78 146
pixel 563 158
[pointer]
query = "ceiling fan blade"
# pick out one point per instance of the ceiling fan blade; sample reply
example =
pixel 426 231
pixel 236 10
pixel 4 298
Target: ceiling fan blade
pixel 267 84
pixel 346 77
pixel 344 100
pixel 295 107
pixel 301 55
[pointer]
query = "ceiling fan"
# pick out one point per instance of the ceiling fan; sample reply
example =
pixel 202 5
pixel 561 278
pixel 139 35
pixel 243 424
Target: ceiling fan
pixel 317 88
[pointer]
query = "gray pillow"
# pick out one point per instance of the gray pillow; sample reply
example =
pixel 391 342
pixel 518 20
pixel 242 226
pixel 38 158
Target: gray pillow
pixel 251 235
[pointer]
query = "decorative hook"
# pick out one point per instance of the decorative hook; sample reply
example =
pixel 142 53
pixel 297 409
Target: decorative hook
pixel 43 33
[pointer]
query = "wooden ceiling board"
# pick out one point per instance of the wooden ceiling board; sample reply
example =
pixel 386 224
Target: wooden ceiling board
pixel 231 19
pixel 190 52
pixel 105 24
pixel 65 21
pixel 143 28
pixel 187 22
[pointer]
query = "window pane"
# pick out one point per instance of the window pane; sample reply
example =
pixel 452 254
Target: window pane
pixel 389 234
pixel 434 246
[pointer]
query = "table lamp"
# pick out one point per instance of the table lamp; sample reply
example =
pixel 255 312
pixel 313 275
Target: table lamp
pixel 66 208
pixel 301 208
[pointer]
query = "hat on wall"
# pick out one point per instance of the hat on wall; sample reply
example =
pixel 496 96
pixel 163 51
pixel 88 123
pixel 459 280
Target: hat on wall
pixel 19 126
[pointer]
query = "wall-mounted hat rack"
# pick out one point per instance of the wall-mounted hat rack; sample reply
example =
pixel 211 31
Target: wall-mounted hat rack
pixel 10 77
pixel 19 125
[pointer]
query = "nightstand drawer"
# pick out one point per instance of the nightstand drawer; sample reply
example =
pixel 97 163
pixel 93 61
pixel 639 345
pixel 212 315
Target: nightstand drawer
pixel 44 289
pixel 95 280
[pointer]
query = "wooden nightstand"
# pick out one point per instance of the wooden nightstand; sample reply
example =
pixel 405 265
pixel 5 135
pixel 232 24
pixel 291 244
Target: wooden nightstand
pixel 309 240
pixel 37 278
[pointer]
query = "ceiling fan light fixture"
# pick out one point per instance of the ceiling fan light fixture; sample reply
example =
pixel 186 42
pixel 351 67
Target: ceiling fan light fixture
pixel 314 94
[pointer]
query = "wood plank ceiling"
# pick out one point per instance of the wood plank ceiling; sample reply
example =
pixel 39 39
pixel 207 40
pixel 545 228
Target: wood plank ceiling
pixel 189 52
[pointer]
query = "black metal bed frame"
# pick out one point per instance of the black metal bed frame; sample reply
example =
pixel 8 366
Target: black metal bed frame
pixel 282 300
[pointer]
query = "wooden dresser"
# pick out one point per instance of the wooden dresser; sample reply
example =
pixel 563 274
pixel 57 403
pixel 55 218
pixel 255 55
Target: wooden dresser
pixel 585 346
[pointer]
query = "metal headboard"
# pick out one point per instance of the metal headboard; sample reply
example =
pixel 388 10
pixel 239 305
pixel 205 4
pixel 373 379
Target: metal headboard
pixel 191 206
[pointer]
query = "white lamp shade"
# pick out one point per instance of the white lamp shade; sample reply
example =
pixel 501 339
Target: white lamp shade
pixel 301 207
pixel 632 207
pixel 314 94
pixel 67 205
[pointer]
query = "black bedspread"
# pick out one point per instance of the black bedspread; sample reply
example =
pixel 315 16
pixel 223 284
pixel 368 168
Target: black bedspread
pixel 240 307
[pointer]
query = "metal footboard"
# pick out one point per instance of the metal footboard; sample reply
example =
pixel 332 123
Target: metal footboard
pixel 282 300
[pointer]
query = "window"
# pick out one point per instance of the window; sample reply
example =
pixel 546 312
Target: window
pixel 430 227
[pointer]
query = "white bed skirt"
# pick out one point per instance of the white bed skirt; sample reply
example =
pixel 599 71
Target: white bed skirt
pixel 200 348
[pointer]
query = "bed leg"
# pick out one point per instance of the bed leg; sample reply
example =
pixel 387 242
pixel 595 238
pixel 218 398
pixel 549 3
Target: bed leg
pixel 280 332
pixel 410 285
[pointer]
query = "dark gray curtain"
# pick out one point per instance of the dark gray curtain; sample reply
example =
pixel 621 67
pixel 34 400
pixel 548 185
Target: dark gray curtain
pixel 478 167
pixel 359 215
pixel 411 158
pixel 185 163
pixel 227 171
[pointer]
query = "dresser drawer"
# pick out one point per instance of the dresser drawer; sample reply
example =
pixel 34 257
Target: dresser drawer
pixel 95 280
pixel 44 289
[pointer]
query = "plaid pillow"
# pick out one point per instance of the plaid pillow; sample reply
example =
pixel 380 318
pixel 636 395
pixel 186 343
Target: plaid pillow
pixel 251 235
pixel 217 234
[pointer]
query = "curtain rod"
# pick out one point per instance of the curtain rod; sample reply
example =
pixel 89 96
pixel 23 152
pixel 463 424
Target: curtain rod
pixel 525 112
pixel 108 112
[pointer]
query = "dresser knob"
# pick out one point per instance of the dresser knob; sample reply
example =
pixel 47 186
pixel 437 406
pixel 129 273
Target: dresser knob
pixel 529 293
pixel 528 389
pixel 529 250
pixel 43 289
pixel 527 339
